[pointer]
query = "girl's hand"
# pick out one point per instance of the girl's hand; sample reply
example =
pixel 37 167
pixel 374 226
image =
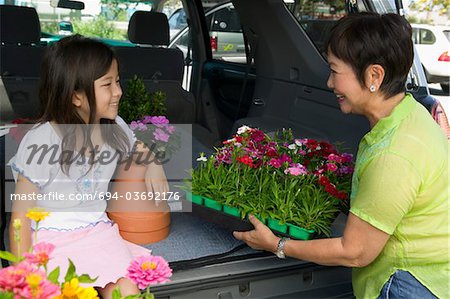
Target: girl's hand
pixel 155 180
pixel 261 238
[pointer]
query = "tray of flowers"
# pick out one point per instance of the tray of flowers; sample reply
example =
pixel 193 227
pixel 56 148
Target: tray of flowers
pixel 296 187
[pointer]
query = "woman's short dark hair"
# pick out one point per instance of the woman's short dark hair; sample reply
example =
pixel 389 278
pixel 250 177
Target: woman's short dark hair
pixel 368 38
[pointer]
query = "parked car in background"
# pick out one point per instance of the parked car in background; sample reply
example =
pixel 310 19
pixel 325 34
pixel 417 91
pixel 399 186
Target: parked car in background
pixel 433 45
pixel 225 32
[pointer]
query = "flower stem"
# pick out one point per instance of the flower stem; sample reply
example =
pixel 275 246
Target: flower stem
pixel 35 232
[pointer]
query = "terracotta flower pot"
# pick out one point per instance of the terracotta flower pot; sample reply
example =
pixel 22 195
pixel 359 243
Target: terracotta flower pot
pixel 140 220
pixel 142 227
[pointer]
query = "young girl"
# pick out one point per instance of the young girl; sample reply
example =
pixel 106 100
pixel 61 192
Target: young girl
pixel 72 153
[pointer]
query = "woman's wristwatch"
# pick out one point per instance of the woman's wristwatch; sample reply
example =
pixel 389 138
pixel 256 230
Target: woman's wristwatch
pixel 280 248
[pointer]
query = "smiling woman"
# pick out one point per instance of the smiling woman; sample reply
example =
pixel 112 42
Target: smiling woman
pixel 398 191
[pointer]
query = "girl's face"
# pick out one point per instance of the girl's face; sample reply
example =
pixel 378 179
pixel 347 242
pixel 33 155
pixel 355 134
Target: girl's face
pixel 351 96
pixel 107 95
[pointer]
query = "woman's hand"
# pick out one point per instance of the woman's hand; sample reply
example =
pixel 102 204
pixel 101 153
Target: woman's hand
pixel 260 238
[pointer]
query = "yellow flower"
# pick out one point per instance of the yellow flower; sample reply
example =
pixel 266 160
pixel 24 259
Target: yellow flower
pixel 37 214
pixel 17 224
pixel 33 280
pixel 148 265
pixel 88 293
pixel 71 289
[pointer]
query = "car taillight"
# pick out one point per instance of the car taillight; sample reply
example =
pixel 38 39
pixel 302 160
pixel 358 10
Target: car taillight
pixel 213 41
pixel 444 57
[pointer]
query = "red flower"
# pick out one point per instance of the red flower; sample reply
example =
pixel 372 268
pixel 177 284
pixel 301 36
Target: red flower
pixel 245 160
pixel 257 136
pixel 323 181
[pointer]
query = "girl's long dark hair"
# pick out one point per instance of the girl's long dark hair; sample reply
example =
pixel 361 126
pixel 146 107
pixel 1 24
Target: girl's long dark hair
pixel 72 65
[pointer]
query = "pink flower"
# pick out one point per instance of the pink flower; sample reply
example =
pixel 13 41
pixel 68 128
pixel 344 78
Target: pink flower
pixel 334 157
pixel 296 170
pixel 331 167
pixel 170 129
pixel 149 270
pixel 41 253
pixel 158 121
pixel 26 281
pixel 12 279
pixel 275 163
pixel 39 287
pixel 138 125
pixel 257 136
pixel 160 135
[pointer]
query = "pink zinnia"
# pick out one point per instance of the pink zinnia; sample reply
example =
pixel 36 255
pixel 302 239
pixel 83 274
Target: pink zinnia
pixel 12 279
pixel 149 270
pixel 43 290
pixel 41 253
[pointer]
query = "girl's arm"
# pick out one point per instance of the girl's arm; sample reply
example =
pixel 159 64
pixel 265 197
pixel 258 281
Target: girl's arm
pixel 19 210
pixel 358 247
pixel 139 179
pixel 155 177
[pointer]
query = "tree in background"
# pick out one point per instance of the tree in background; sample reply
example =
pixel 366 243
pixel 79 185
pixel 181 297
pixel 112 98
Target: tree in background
pixel 99 27
pixel 115 8
pixel 428 5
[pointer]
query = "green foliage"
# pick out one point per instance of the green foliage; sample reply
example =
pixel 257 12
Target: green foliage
pixel 54 275
pixel 307 189
pixel 290 199
pixel 49 27
pixel 99 27
pixel 115 8
pixel 6 295
pixel 137 102
pixel 428 5
pixel 6 255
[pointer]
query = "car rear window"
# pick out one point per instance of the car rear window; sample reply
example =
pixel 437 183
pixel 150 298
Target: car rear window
pixel 317 18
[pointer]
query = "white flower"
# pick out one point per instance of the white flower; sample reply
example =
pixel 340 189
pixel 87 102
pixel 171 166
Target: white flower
pixel 202 158
pixel 291 146
pixel 299 142
pixel 243 129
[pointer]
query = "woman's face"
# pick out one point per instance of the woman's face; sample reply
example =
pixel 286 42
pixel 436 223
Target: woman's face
pixel 351 96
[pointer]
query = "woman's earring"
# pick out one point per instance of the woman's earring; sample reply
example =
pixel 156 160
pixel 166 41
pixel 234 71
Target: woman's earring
pixel 372 88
